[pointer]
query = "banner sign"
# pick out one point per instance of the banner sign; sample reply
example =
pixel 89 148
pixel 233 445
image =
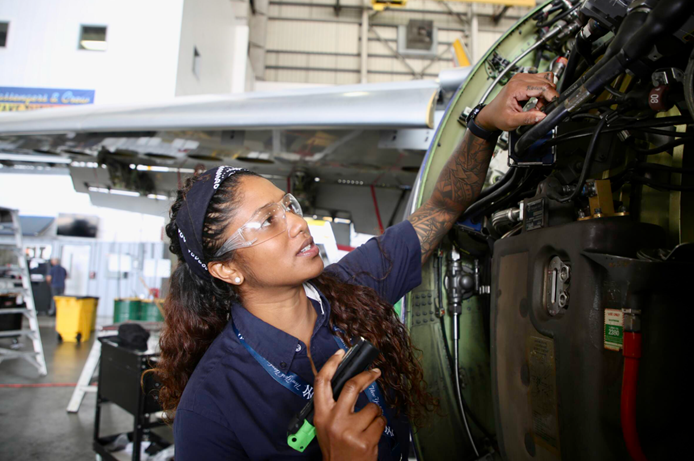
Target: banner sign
pixel 18 98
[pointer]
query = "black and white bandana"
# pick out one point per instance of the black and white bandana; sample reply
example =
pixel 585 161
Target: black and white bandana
pixel 191 216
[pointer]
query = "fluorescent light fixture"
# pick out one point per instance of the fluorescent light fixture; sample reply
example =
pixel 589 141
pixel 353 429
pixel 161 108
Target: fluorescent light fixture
pixel 34 158
pixel 162 169
pixel 86 165
pixel 327 218
pixel 103 190
pixel 353 94
pixel 93 45
pixel 157 197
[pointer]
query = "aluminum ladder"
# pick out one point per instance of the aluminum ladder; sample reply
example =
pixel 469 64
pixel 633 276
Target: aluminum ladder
pixel 35 357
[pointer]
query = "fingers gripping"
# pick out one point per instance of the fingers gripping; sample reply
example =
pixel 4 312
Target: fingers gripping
pixel 354 387
pixel 323 391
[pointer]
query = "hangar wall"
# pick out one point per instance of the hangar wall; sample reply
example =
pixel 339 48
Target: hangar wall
pixel 139 64
pixel 213 30
pixel 312 41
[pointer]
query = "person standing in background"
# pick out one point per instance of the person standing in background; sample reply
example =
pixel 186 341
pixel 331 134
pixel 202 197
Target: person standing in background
pixel 56 278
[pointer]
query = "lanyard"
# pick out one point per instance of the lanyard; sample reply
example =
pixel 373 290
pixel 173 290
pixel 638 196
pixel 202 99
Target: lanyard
pixel 300 387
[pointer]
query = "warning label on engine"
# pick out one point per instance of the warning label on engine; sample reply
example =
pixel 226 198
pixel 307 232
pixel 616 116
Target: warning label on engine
pixel 535 215
pixel 543 392
pixel 614 329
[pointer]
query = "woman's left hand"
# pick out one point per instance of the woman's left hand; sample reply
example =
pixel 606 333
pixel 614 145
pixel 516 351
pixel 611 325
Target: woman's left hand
pixel 344 435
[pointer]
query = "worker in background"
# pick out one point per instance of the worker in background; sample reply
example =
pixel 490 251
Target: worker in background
pixel 56 278
pixel 255 326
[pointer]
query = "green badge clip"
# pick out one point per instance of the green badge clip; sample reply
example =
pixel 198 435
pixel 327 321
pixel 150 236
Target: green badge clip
pixel 303 437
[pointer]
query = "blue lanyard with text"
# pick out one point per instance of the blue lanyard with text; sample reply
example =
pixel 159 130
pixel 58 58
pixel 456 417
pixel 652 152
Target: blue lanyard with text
pixel 300 387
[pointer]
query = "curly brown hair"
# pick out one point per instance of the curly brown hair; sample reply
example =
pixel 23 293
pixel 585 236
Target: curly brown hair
pixel 197 310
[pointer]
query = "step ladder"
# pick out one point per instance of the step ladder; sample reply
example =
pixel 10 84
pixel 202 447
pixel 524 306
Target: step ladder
pixel 9 219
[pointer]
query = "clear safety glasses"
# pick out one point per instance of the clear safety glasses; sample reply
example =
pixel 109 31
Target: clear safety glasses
pixel 266 223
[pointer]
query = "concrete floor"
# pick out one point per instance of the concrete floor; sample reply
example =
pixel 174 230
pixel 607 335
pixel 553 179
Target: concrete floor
pixel 34 424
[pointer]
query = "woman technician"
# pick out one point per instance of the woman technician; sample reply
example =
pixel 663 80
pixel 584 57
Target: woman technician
pixel 254 322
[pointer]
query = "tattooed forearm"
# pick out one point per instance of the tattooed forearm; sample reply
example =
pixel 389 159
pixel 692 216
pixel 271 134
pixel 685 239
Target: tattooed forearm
pixel 457 187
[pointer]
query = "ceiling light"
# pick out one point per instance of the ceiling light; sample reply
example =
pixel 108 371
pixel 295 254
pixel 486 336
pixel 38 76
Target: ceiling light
pixel 163 169
pixel 104 190
pixel 157 197
pixel 34 158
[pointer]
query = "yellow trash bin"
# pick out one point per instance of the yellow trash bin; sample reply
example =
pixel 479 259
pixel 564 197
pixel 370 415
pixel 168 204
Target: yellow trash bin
pixel 74 317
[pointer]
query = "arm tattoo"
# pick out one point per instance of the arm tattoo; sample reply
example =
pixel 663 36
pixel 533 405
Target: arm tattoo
pixel 457 187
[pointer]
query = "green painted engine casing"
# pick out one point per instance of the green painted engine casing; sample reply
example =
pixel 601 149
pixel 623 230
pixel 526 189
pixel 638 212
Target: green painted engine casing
pixel 443 435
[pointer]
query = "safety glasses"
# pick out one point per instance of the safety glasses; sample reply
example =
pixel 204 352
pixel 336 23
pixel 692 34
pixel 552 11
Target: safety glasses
pixel 266 223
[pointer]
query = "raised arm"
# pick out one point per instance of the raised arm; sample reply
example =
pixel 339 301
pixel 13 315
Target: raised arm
pixel 461 179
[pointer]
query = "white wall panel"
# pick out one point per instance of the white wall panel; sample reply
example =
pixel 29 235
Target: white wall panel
pixel 138 66
pixel 209 27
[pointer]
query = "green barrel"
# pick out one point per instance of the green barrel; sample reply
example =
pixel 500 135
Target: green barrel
pixel 150 312
pixel 126 309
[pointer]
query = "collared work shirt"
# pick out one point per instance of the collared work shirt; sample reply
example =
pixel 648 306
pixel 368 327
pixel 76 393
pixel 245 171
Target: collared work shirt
pixel 232 409
pixel 58 275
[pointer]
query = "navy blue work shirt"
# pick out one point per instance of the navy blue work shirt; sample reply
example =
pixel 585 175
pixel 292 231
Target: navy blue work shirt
pixel 232 409
pixel 58 275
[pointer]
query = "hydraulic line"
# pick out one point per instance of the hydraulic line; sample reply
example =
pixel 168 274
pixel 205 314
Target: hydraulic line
pixel 667 146
pixel 668 15
pixel 449 357
pixel 558 17
pixel 499 182
pixel 456 374
pixel 658 122
pixel 632 356
pixel 454 287
pixel 661 185
pixel 588 160
pixel 500 192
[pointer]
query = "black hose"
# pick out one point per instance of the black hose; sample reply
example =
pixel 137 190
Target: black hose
pixel 614 92
pixel 667 146
pixel 549 22
pixel 636 26
pixel 514 197
pixel 588 161
pixel 449 357
pixel 629 26
pixel 659 167
pixel 499 182
pixel 480 204
pixel 584 47
pixel 570 70
pixel 671 134
pixel 661 185
pixel 583 116
pixel 582 133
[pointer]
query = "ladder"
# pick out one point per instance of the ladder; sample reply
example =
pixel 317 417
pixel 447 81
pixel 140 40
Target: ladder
pixel 35 357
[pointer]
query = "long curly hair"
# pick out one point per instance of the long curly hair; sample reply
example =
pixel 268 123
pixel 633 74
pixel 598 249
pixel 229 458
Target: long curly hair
pixel 197 310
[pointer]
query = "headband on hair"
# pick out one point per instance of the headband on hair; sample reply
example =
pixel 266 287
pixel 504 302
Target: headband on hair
pixel 191 216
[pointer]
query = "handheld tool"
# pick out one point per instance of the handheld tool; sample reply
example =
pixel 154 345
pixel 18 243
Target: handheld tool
pixel 301 430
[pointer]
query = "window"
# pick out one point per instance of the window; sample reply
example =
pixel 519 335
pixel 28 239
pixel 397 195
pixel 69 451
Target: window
pixel 196 62
pixel 4 27
pixel 93 38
